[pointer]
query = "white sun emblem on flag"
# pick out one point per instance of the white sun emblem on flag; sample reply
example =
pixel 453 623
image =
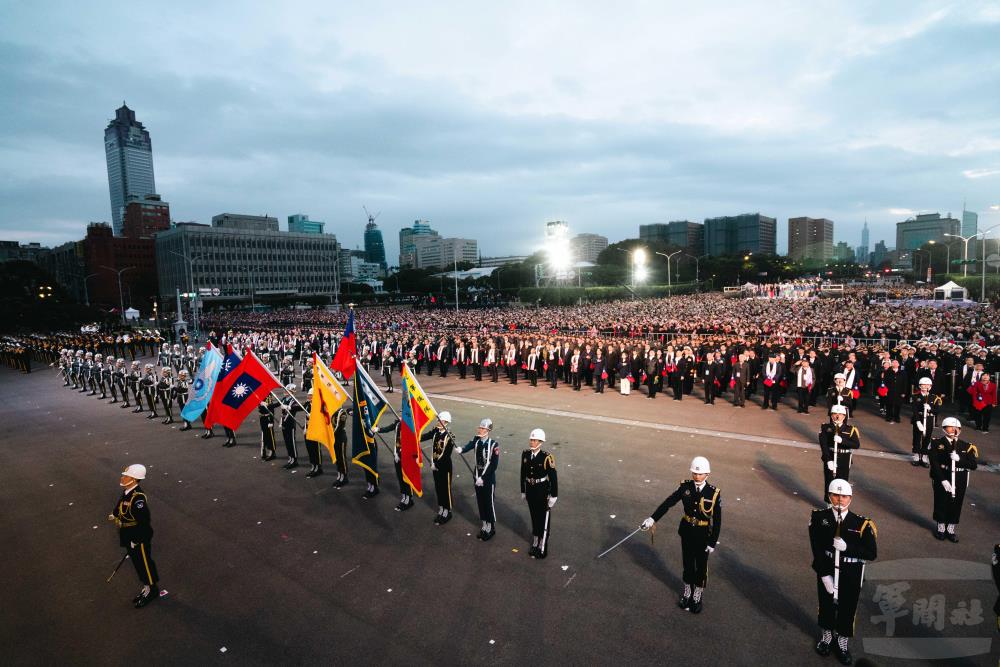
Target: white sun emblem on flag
pixel 241 390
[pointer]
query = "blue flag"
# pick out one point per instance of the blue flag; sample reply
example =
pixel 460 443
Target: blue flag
pixel 369 404
pixel 200 392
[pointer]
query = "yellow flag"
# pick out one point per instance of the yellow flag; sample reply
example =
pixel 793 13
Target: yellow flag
pixel 327 397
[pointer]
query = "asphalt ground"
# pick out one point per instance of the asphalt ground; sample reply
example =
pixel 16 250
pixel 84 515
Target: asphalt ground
pixel 264 566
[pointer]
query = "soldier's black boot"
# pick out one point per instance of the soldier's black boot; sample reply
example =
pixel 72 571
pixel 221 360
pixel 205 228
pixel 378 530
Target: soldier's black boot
pixel 685 600
pixel 843 653
pixel 824 644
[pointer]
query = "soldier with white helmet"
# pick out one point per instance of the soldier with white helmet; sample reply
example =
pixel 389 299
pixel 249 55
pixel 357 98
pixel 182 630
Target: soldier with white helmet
pixel 837 442
pixel 180 395
pixel 842 542
pixel 135 384
pixel 926 407
pixel 699 529
pixel 135 532
pixel 839 393
pixel 289 408
pixel 487 458
pixel 444 443
pixel 540 487
pixel 165 391
pixel 149 383
pixel 951 461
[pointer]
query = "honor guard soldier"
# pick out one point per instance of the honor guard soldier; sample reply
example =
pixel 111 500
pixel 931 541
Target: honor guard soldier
pixel 149 390
pixel 266 414
pixel 135 384
pixel 118 381
pixel 951 460
pixel 487 459
pixel 135 532
pixel 287 375
pixel 339 423
pixel 444 443
pixel 842 542
pixel 837 440
pixel 312 446
pixel 838 394
pixel 405 492
pixel 108 379
pixel 925 412
pixel 289 408
pixel 99 377
pixel 699 529
pixel 307 375
pixel 180 395
pixel 165 390
pixel 540 487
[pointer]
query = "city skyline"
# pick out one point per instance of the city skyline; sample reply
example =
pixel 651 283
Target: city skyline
pixel 487 132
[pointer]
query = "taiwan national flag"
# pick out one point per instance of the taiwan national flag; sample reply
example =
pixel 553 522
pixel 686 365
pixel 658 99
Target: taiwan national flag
pixel 240 392
pixel 344 361
pixel 231 361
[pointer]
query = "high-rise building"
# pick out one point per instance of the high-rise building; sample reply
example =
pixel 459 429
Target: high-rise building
pixel 914 233
pixel 970 226
pixel 257 223
pixel 374 246
pixel 810 238
pixel 843 252
pixel 434 252
pixel 657 231
pixel 863 248
pixel 738 234
pixel 144 216
pixel 879 254
pixel 407 249
pixel 586 247
pixel 301 223
pixel 679 233
pixel 129 154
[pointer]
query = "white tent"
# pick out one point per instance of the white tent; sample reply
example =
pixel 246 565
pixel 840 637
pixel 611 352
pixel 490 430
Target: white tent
pixel 950 291
pixel 131 314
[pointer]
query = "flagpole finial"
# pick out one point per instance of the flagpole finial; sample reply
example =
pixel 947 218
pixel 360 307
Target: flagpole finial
pixel 351 305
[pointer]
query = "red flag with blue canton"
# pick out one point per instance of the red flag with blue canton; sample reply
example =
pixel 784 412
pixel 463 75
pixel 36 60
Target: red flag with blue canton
pixel 240 392
pixel 231 361
pixel 344 360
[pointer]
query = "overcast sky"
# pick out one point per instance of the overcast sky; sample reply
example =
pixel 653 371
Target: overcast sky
pixel 490 118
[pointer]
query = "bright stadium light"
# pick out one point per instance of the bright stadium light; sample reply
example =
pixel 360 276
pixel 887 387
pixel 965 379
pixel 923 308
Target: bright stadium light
pixel 640 274
pixel 639 256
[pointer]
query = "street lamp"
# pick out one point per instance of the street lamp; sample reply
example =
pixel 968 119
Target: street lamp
pixel 668 265
pixel 86 292
pixel 965 251
pixel 193 298
pixel 982 295
pixel 253 303
pixel 638 266
pixel 121 295
pixel 697 267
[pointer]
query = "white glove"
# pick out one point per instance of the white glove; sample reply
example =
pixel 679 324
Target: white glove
pixel 947 485
pixel 524 496
pixel 839 544
pixel 828 584
pixel 837 439
pixel 552 501
pixel 831 466
pixel 921 427
pixel 955 457
pixel 648 523
pixel 709 550
pixel 433 467
pixel 133 544
pixel 396 457
pixel 479 481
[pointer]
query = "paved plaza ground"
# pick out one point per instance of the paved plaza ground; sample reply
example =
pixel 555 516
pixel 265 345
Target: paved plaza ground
pixel 263 566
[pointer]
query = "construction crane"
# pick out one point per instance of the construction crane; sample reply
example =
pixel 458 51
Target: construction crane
pixel 371 218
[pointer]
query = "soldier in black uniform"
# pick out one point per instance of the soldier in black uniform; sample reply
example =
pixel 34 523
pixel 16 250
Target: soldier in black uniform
pixel 135 381
pixel 952 459
pixel 165 390
pixel 842 542
pixel 266 413
pixel 839 394
pixel 444 443
pixel 339 423
pixel 699 529
pixel 135 532
pixel 312 446
pixel 837 440
pixel 540 487
pixel 289 408
pixel 487 459
pixel 926 407
pixel 180 396
pixel 149 383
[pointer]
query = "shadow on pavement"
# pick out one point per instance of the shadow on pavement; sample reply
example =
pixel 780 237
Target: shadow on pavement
pixel 783 478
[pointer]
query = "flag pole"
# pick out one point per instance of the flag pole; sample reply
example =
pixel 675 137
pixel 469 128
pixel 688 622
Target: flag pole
pixel 276 380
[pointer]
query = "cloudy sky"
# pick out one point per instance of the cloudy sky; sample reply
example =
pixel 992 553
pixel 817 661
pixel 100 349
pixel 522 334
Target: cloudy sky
pixel 490 118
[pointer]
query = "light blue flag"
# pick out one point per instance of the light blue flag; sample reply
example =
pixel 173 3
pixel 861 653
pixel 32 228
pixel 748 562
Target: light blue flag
pixel 200 392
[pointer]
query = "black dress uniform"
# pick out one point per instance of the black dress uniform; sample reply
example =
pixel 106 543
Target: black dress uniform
pixel 289 409
pixel 441 469
pixel 849 440
pixel 860 534
pixel 339 424
pixel 487 459
pixel 948 504
pixel 135 533
pixel 699 528
pixel 266 412
pixel 925 412
pixel 539 483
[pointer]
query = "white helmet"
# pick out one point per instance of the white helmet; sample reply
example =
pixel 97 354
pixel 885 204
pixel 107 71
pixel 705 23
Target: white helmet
pixel 135 471
pixel 951 421
pixel 486 423
pixel 445 416
pixel 838 410
pixel 699 464
pixel 290 387
pixel 925 382
pixel 840 376
pixel 537 434
pixel 840 487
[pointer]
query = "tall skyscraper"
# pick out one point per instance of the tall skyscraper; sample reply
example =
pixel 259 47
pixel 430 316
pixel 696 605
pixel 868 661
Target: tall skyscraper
pixel 810 238
pixel 407 249
pixel 301 223
pixel 130 163
pixel 374 246
pixel 738 234
pixel 863 248
pixel 914 233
